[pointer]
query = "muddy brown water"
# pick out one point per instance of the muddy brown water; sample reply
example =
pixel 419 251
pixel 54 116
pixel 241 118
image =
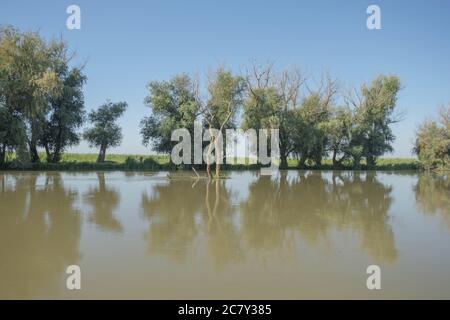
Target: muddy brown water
pixel 295 235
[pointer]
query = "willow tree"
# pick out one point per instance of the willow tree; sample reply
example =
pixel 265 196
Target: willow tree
pixel 28 70
pixel 432 144
pixel 272 102
pixel 338 130
pixel 65 115
pixel 105 133
pixel 310 137
pixel 225 97
pixel 374 115
pixel 173 105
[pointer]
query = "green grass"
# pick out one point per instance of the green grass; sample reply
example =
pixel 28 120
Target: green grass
pixel 382 164
pixel 138 162
pixel 117 158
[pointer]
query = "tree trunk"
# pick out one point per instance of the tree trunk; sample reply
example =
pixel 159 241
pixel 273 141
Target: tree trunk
pixel 356 162
pixel 283 151
pixel 54 158
pixel 370 161
pixel 301 162
pixel 283 162
pixel 219 157
pixel 102 154
pixel 208 170
pixel 48 154
pixel 208 158
pixel 318 161
pixel 2 155
pixel 57 152
pixel 34 155
pixel 335 163
pixel 217 169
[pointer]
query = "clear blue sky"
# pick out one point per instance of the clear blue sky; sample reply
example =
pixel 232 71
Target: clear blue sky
pixel 128 43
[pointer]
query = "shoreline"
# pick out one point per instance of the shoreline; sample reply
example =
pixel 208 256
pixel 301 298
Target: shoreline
pixel 158 163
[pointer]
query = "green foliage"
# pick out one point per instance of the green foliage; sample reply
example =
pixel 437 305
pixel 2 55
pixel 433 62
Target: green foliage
pixel 65 116
pixel 29 67
pixel 130 163
pixel 105 132
pixel 260 109
pixel 264 109
pixel 313 128
pixel 174 105
pixel 310 131
pixel 374 116
pixel 338 133
pixel 12 134
pixel 432 144
pixel 225 98
pixel 152 164
pixel 276 103
pixel 41 92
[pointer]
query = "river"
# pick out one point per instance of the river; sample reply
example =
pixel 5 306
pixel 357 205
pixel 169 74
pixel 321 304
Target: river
pixel 294 235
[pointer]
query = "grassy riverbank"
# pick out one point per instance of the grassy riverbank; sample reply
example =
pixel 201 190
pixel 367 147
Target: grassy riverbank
pixel 124 162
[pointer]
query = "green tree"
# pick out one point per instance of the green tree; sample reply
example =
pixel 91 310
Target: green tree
pixel 271 103
pixel 64 116
pixel 374 115
pixel 432 144
pixel 105 132
pixel 225 99
pixel 259 107
pixel 174 105
pixel 338 134
pixel 309 131
pixel 28 69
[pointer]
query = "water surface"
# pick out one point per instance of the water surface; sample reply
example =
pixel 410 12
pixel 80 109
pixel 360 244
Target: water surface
pixel 299 234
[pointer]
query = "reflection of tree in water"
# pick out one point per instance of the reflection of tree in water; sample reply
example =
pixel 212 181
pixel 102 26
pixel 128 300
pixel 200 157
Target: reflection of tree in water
pixel 363 205
pixel 223 233
pixel 172 208
pixel 179 212
pixel 39 235
pixel 433 195
pixel 272 206
pixel 311 204
pixel 103 201
pixel 276 212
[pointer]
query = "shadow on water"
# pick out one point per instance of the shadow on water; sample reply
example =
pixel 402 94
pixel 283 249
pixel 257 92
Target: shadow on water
pixel 313 205
pixel 39 232
pixel 181 211
pixel 104 200
pixel 249 227
pixel 432 193
pixel 278 215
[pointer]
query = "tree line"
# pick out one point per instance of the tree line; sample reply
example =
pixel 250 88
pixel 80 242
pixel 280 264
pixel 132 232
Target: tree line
pixel 42 102
pixel 311 125
pixel 42 106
